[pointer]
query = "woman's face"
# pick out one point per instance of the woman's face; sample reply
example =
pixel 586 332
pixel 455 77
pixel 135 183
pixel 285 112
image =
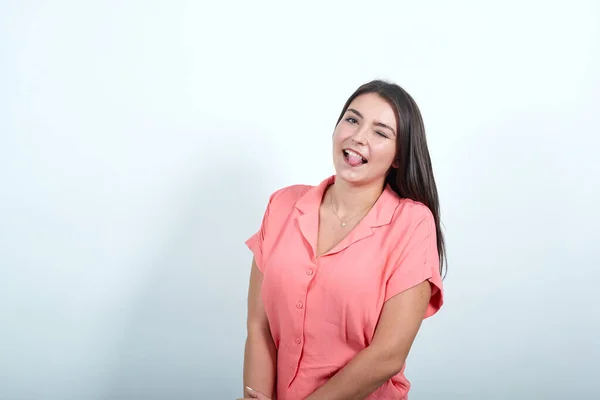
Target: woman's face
pixel 364 141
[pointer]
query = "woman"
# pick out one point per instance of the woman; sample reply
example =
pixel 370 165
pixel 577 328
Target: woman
pixel 344 272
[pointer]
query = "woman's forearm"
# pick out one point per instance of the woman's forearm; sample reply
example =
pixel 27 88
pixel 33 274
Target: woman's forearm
pixel 366 372
pixel 260 363
pixel 396 330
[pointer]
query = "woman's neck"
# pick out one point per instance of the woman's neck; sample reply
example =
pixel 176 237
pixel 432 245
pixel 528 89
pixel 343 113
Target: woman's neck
pixel 348 199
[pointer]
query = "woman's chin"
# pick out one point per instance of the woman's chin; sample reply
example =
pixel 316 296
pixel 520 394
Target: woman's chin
pixel 358 177
pixel 352 175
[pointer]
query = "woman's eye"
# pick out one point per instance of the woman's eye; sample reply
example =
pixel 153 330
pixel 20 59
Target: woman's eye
pixel 381 134
pixel 351 120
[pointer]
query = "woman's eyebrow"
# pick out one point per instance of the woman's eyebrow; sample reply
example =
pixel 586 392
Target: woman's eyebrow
pixel 381 124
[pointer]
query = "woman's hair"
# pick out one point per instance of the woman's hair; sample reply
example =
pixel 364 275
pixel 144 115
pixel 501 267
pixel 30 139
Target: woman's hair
pixel 413 179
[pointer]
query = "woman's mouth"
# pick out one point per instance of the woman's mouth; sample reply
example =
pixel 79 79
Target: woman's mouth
pixel 354 158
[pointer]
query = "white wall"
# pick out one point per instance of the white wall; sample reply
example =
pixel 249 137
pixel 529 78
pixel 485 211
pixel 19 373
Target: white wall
pixel 139 142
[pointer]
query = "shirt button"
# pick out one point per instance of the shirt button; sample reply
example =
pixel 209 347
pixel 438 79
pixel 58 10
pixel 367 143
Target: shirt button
pixel 298 341
pixel 299 305
pixel 309 272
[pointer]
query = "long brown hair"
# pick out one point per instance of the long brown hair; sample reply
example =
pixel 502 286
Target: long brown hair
pixel 413 179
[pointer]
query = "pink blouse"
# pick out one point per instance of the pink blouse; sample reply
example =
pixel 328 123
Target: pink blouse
pixel 323 310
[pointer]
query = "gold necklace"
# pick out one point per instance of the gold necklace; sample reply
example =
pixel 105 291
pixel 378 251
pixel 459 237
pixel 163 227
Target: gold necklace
pixel 342 222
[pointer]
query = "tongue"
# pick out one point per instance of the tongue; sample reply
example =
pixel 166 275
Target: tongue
pixel 354 160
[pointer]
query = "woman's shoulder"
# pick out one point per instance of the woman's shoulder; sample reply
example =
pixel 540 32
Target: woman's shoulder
pixel 413 208
pixel 411 213
pixel 288 195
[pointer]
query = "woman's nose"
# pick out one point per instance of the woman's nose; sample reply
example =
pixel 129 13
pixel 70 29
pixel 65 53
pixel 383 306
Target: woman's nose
pixel 360 137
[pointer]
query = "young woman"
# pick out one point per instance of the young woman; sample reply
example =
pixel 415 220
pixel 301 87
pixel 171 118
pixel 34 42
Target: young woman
pixel 344 272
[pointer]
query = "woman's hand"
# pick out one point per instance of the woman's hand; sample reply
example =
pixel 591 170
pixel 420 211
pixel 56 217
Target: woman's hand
pixel 254 395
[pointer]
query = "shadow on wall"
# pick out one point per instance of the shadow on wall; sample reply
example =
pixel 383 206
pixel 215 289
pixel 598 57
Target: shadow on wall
pixel 184 338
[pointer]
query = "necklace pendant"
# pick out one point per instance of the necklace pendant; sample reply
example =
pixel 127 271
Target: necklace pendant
pixel 343 224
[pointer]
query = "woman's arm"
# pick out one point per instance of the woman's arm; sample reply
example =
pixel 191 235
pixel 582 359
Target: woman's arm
pixel 396 330
pixel 260 356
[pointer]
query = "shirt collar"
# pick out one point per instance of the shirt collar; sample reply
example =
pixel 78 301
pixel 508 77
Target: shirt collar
pixel 380 214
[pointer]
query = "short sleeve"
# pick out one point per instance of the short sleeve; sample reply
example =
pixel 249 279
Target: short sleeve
pixel 416 260
pixel 256 242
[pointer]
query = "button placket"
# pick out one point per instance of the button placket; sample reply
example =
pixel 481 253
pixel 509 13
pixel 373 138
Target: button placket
pixel 300 306
pixel 310 272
